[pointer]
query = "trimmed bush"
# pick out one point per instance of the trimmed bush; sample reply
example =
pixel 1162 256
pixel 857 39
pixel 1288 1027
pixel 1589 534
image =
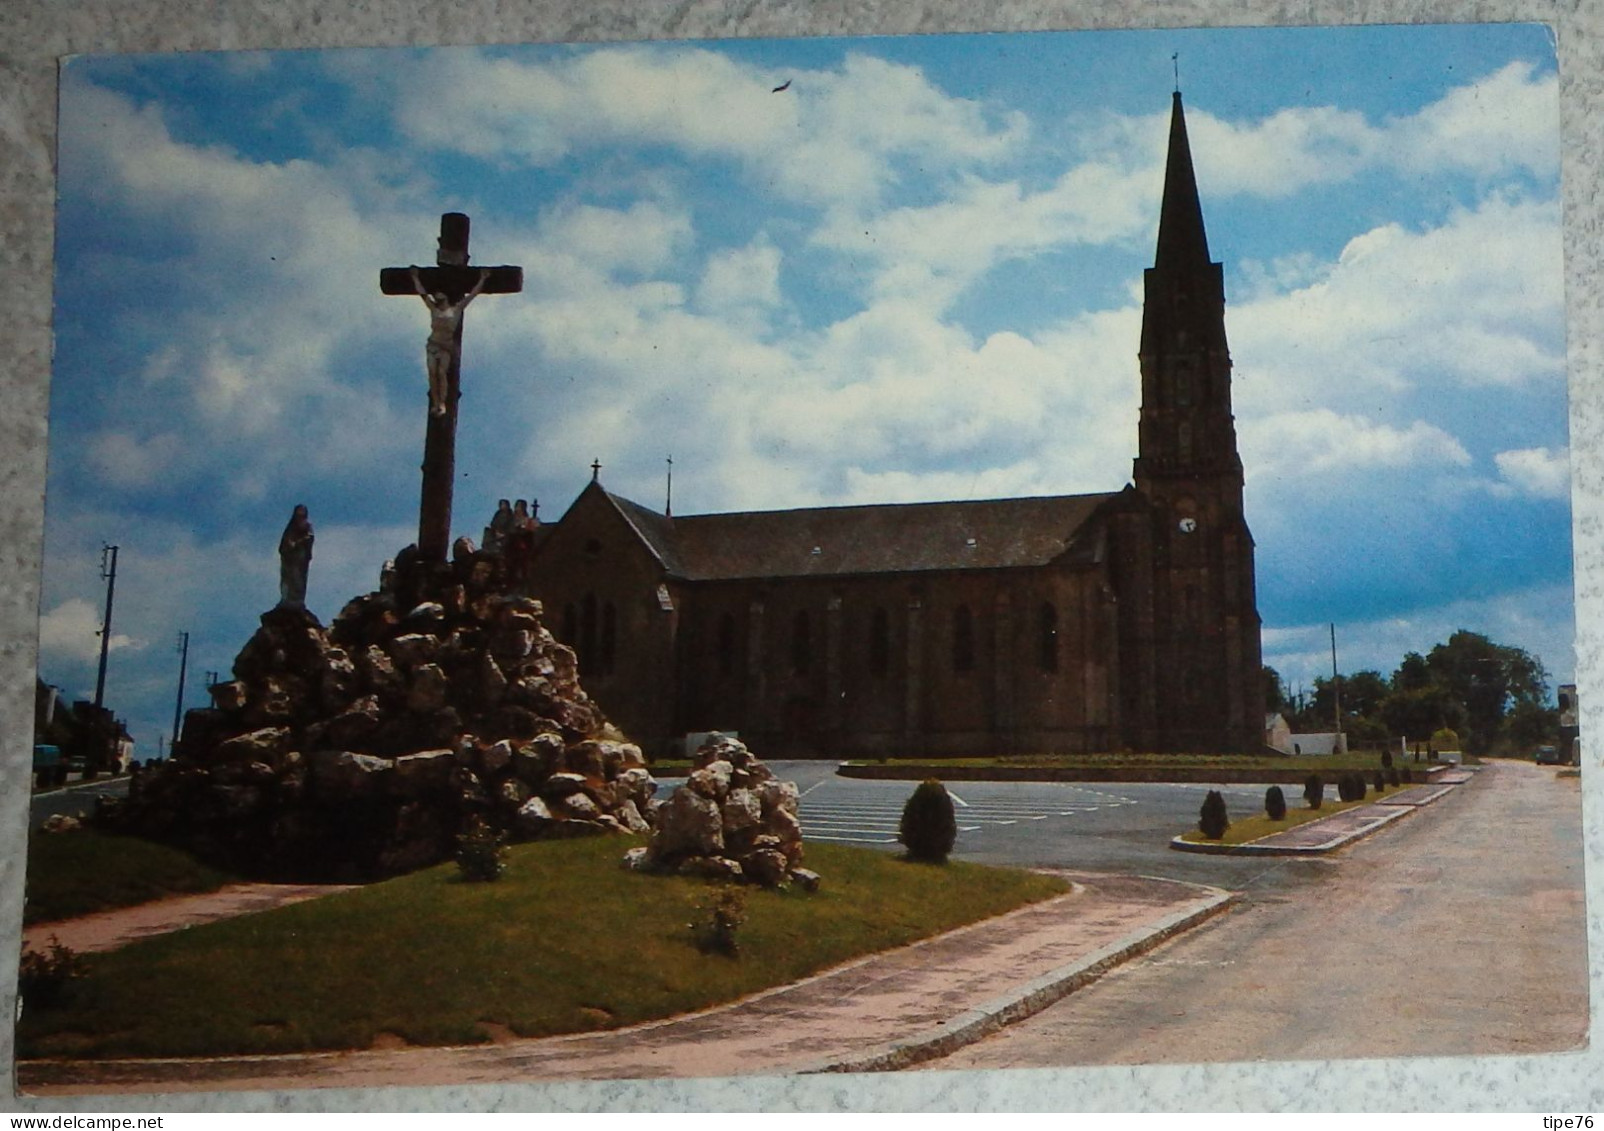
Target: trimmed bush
pixel 1393 777
pixel 1386 759
pixel 1380 782
pixel 481 853
pixel 720 918
pixel 1314 790
pixel 1211 818
pixel 45 977
pixel 1275 803
pixel 929 825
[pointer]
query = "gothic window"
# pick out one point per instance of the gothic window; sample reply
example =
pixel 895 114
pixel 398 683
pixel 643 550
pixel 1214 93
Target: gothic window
pixel 1047 638
pixel 879 642
pixel 587 633
pixel 609 637
pixel 963 639
pixel 726 644
pixel 801 643
pixel 1183 386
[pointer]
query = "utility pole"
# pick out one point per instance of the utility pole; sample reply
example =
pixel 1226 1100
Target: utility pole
pixel 108 571
pixel 183 667
pixel 1336 681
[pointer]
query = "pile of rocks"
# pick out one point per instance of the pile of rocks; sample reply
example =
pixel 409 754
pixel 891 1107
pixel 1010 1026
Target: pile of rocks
pixel 732 819
pixel 362 750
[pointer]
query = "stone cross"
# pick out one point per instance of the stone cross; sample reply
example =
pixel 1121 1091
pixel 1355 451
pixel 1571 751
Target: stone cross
pixel 453 278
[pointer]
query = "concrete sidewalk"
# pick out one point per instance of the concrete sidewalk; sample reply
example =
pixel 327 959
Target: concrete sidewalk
pixel 880 1012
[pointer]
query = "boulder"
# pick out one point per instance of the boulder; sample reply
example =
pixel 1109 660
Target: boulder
pixel 688 824
pixel 429 691
pixel 427 771
pixel 341 774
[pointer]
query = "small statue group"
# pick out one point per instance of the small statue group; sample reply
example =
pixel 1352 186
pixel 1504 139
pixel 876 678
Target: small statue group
pixel 511 533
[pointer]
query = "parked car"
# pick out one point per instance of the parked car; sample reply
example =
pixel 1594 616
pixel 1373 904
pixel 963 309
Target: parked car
pixel 48 766
pixel 1548 755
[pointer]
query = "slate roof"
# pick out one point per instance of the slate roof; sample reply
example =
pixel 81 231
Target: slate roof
pixel 886 538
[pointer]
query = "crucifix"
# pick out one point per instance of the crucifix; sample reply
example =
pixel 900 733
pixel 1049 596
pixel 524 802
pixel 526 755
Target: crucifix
pixel 446 289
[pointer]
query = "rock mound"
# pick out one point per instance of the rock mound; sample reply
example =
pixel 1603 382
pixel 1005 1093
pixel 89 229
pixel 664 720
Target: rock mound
pixel 732 819
pixel 361 750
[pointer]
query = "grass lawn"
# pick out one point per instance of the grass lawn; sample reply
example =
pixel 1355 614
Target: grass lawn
pixel 75 873
pixel 1246 829
pixel 566 941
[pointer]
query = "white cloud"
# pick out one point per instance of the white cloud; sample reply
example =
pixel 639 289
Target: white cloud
pixel 1541 472
pixel 71 631
pixel 741 284
pixel 1475 303
pixel 833 136
pixel 1315 444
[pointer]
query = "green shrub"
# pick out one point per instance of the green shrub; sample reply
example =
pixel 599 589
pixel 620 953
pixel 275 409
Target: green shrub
pixel 929 826
pixel 481 853
pixel 1393 777
pixel 1275 803
pixel 1211 818
pixel 45 977
pixel 720 918
pixel 1380 782
pixel 1314 790
pixel 1386 759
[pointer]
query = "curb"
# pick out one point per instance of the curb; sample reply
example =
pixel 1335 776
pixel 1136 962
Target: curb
pixel 1394 810
pixel 1290 775
pixel 1024 1000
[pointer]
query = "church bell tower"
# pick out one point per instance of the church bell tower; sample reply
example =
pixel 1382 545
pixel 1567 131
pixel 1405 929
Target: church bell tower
pixel 1201 623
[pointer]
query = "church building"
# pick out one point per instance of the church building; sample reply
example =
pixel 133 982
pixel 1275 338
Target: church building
pixel 1063 624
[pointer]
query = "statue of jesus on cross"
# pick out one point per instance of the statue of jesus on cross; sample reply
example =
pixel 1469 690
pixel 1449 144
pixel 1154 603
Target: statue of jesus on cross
pixel 446 288
pixel 445 324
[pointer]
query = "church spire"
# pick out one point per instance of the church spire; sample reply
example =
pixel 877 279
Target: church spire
pixel 1182 242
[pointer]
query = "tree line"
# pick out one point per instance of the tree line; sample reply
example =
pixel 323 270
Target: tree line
pixel 1493 697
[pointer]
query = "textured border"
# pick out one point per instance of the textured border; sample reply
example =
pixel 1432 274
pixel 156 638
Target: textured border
pixel 38 34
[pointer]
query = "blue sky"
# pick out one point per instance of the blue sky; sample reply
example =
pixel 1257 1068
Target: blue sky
pixel 915 274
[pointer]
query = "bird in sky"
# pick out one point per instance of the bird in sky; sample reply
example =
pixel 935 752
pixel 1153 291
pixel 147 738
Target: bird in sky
pixel 786 85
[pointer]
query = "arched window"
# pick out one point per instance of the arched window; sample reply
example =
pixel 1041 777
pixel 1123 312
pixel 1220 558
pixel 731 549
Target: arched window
pixel 963 639
pixel 609 637
pixel 726 644
pixel 879 642
pixel 587 633
pixel 801 643
pixel 1047 638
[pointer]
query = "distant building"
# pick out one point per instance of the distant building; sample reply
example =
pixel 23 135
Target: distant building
pixel 1319 742
pixel 1278 733
pixel 1065 623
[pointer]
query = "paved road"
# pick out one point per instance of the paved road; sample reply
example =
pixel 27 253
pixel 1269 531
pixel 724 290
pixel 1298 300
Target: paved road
pixel 1093 826
pixel 1457 930
pixel 75 800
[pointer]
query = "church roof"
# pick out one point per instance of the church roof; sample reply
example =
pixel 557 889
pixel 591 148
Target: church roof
pixel 887 538
pixel 1182 241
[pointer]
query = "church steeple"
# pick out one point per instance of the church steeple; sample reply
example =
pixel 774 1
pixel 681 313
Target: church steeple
pixel 1181 238
pixel 1186 427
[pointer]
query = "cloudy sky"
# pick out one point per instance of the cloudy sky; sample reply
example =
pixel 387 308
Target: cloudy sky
pixel 912 275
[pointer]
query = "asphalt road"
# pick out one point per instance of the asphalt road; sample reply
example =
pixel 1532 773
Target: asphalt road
pixel 1095 826
pixel 1457 930
pixel 75 800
